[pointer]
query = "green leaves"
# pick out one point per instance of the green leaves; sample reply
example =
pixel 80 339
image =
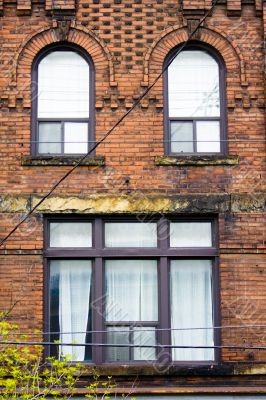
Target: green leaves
pixel 25 375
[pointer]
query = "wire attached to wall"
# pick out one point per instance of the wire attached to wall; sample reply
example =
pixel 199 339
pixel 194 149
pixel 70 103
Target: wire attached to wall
pixel 120 120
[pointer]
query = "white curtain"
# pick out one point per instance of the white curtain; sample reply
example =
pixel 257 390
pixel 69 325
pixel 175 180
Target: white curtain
pixel 74 296
pixel 191 307
pixel 131 290
pixel 194 85
pixel 132 296
pixel 130 234
pixel 70 234
pixel 208 136
pixel 190 234
pixel 144 336
pixel 63 86
pixel 118 336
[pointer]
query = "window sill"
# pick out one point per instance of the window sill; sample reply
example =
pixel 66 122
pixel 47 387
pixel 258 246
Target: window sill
pixel 191 369
pixel 43 161
pixel 196 160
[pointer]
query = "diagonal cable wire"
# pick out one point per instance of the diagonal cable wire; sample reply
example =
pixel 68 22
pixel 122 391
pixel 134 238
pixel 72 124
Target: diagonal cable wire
pixel 120 120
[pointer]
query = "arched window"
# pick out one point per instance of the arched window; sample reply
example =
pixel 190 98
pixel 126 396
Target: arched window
pixel 195 109
pixel 62 118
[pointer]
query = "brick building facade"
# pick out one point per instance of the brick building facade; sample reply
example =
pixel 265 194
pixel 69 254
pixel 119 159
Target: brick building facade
pixel 134 176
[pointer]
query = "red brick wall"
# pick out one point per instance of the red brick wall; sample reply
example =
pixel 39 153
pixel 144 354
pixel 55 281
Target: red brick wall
pixel 128 41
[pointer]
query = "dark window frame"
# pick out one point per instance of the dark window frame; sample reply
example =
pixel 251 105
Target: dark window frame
pixel 163 254
pixel 196 45
pixel 34 100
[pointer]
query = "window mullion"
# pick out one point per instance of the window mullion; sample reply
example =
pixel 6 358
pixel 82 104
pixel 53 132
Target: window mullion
pixel 131 341
pixel 98 307
pixel 88 136
pixel 98 310
pixel 62 137
pixel 195 147
pixel 164 314
pixel 98 234
pixel 216 306
pixel 163 233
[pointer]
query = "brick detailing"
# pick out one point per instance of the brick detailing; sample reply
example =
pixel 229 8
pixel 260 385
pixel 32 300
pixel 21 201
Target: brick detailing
pixel 234 6
pixel 196 7
pixel 193 5
pixel 48 4
pixel 64 4
pixel 208 4
pixel 189 7
pixel 159 50
pixel 96 48
pixel 259 5
pixel 264 18
pixel 60 4
pixel 24 5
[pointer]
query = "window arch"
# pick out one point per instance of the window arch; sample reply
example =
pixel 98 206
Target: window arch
pixel 62 101
pixel 195 117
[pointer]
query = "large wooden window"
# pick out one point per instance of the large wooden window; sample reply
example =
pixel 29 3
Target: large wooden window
pixel 132 287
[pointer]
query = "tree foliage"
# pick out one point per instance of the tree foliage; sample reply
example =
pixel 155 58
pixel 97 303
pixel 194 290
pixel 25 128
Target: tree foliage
pixel 25 375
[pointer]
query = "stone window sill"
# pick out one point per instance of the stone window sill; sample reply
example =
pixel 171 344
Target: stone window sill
pixel 196 160
pixel 43 161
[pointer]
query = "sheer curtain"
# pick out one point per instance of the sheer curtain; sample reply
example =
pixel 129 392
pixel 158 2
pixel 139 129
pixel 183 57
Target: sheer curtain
pixel 191 306
pixel 130 234
pixel 144 336
pixel 70 234
pixel 63 86
pixel 194 85
pixel 74 295
pixel 190 234
pixel 131 296
pixel 131 290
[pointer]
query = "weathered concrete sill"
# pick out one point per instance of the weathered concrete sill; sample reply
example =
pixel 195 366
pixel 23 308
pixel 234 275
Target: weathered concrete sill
pixel 199 369
pixel 196 160
pixel 136 202
pixel 38 161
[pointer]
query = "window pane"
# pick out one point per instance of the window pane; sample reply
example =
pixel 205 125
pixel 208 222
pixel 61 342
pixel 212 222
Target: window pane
pixel 138 336
pixel 70 289
pixel 130 234
pixel 190 234
pixel 181 137
pixel 70 234
pixel 193 82
pixel 208 136
pixel 191 307
pixel 49 138
pixel 144 336
pixel 76 138
pixel 63 86
pixel 131 290
pixel 114 336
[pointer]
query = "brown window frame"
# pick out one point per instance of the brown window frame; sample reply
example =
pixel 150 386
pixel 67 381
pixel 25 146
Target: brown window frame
pixel 98 253
pixel 195 45
pixel 34 101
